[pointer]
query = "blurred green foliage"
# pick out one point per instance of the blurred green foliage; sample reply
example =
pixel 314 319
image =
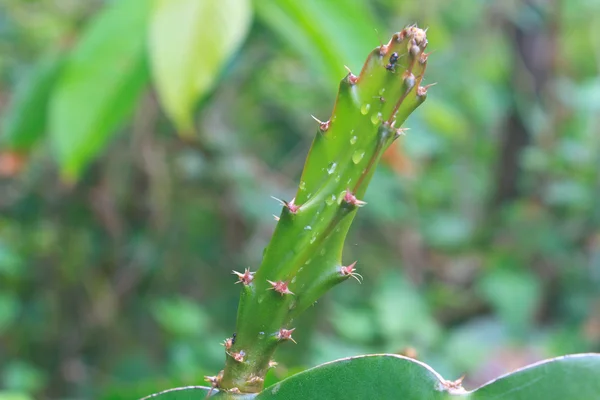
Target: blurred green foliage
pixel 119 226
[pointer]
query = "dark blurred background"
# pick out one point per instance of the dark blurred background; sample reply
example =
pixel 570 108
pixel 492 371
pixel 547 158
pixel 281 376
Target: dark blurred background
pixel 480 246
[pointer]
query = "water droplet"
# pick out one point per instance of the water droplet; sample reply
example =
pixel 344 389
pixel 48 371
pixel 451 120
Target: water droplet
pixel 364 110
pixel 308 196
pixel 330 200
pixel 382 91
pixel 293 280
pixel 308 261
pixel 375 118
pixel 307 228
pixel 353 139
pixel 302 185
pixel 261 334
pixel 312 239
pixel 357 156
pixel 322 252
pixel 338 177
pixel 349 180
pixel 331 168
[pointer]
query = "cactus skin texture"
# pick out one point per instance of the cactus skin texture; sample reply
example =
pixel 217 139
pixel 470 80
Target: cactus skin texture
pixel 303 259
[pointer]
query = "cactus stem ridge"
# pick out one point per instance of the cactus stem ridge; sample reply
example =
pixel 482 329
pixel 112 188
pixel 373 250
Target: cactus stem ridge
pixel 280 287
pixel 286 334
pixel 350 271
pixel 246 278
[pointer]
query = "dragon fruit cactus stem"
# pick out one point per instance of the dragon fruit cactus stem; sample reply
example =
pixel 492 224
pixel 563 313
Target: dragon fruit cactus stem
pixel 304 258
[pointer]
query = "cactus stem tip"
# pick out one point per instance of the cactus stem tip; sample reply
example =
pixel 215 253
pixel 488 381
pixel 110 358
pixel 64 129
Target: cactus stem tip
pixel 280 287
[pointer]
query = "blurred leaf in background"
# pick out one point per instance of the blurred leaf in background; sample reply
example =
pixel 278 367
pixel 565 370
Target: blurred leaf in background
pixel 479 247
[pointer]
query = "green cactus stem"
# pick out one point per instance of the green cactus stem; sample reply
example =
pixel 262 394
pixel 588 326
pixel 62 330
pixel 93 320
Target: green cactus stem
pixel 304 257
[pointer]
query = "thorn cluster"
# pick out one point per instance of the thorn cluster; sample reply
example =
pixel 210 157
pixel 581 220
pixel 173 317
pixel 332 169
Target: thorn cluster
pixel 246 278
pixel 352 200
pixel 286 334
pixel 323 126
pixel 280 287
pixel 351 271
pixel 239 356
pixel 287 204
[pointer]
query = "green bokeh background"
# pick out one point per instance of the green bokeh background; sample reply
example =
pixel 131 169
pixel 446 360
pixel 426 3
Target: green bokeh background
pixel 480 245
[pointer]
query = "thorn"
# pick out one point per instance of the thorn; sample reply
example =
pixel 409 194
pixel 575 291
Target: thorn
pixel 423 57
pixel 352 79
pixel 272 364
pixel 239 357
pixel 352 200
pixel 401 132
pixel 214 381
pixel 253 379
pixel 227 343
pixel 244 278
pixel 286 334
pixel 323 126
pixel 351 271
pixel 280 287
pixel 289 205
pixel 381 98
pixel 276 217
pixel 422 90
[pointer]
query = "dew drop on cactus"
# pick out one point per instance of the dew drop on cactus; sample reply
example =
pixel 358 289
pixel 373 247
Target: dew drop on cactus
pixel 302 185
pixel 357 156
pixel 364 110
pixel 353 139
pixel 375 118
pixel 330 200
pixel 331 168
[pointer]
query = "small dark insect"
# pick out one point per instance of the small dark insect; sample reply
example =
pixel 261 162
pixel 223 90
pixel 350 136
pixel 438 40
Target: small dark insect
pixel 233 338
pixel 393 60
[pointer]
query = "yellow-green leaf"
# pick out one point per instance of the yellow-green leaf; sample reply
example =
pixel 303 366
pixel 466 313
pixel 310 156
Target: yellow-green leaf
pixel 189 42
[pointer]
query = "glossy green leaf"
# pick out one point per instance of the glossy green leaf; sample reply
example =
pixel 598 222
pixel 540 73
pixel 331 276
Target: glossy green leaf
pixel 183 393
pixel 328 34
pixel 390 376
pixel 573 377
pixel 100 84
pixel 190 40
pixel 24 122
pixel 382 376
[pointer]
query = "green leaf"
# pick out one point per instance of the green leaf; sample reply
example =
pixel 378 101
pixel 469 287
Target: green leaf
pixel 100 85
pixel 328 34
pixel 190 40
pixel 563 378
pixel 24 122
pixel 383 376
pixel 182 393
